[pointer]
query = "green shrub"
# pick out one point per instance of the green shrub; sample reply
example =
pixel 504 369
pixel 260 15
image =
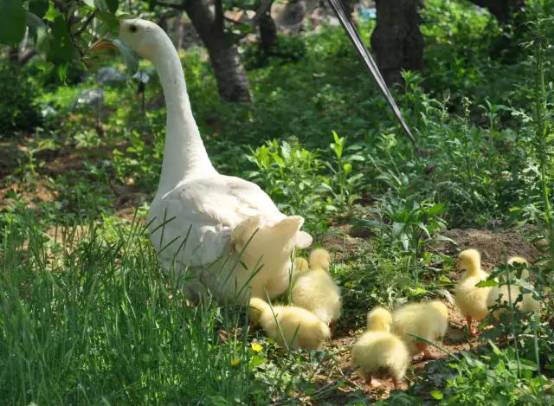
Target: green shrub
pixel 292 176
pixel 502 379
pixel 286 49
pixel 17 106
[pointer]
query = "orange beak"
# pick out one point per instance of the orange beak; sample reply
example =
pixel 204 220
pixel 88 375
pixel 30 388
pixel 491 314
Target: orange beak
pixel 102 45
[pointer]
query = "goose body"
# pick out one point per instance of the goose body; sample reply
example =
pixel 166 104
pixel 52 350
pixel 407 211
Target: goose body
pixel 201 221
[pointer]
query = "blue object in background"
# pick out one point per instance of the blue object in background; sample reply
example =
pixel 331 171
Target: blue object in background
pixel 367 13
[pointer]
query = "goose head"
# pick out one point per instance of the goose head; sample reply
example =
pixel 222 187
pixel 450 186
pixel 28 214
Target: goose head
pixel 470 261
pixel 144 37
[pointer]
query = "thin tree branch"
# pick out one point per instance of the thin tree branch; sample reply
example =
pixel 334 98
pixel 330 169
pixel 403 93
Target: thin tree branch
pixel 170 5
pixel 264 6
pixel 85 24
pixel 26 56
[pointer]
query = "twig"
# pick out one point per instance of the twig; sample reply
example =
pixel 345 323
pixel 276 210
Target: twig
pixel 170 5
pixel 85 24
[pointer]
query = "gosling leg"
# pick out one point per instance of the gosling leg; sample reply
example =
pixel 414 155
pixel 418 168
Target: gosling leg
pixel 332 326
pixel 424 348
pixel 368 380
pixel 472 330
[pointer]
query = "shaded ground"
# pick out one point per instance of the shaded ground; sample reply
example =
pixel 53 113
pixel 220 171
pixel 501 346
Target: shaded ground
pixel 495 246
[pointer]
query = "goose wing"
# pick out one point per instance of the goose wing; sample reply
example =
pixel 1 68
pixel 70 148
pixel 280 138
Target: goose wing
pixel 192 223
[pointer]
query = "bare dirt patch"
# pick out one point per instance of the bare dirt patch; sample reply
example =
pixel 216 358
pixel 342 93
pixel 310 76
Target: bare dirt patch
pixel 455 341
pixel 495 246
pixel 32 194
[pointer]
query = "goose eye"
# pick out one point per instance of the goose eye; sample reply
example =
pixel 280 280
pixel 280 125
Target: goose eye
pixel 133 28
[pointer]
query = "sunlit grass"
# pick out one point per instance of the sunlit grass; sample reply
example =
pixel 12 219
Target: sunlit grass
pixel 94 320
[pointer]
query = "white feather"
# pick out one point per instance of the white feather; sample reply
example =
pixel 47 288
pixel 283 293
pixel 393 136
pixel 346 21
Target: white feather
pixel 196 211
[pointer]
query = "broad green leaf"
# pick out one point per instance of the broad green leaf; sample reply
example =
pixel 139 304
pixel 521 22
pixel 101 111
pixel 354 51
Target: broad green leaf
pixel 397 228
pixel 107 6
pixel 437 394
pixel 436 209
pixel 110 23
pixel 129 57
pixel 495 349
pixel 60 47
pixel 256 361
pixel 52 13
pixel 405 240
pixel 419 291
pixel 444 238
pixel 487 283
pixel 12 21
pixel 101 5
pixel 112 5
pixel 38 7
pixel 34 22
pixel 423 228
pixel 347 168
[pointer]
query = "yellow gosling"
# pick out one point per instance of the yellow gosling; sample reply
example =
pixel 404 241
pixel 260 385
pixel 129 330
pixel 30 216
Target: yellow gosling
pixel 316 290
pixel 378 352
pixel 428 320
pixel 290 326
pixel 470 299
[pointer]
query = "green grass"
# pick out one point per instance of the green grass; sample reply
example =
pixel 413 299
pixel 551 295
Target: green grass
pixel 94 320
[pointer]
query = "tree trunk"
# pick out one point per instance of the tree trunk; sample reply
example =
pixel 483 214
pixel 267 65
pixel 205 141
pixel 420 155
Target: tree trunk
pixel 231 78
pixel 397 40
pixel 268 31
pixel 179 31
pixel 349 7
pixel 503 10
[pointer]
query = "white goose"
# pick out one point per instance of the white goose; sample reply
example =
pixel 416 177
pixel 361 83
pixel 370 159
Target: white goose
pixel 200 219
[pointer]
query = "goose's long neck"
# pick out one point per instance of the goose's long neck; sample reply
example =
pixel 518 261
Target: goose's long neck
pixel 184 151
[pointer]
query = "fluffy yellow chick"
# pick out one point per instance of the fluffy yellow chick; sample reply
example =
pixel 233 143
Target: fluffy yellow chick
pixel 300 265
pixel 428 320
pixel 290 326
pixel 320 259
pixel 527 304
pixel 316 290
pixel 471 300
pixel 378 351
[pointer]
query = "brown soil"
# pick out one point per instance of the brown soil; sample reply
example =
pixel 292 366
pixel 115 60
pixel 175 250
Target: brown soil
pixel 345 242
pixel 455 341
pixel 10 154
pixel 32 194
pixel 495 246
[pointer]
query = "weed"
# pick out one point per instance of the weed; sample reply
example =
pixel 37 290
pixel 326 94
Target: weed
pixel 89 319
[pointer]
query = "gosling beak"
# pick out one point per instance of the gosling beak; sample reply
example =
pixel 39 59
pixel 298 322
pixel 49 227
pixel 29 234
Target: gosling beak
pixel 102 45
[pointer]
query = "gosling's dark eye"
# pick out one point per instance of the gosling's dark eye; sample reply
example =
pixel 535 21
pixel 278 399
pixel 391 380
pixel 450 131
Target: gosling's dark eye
pixel 133 28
